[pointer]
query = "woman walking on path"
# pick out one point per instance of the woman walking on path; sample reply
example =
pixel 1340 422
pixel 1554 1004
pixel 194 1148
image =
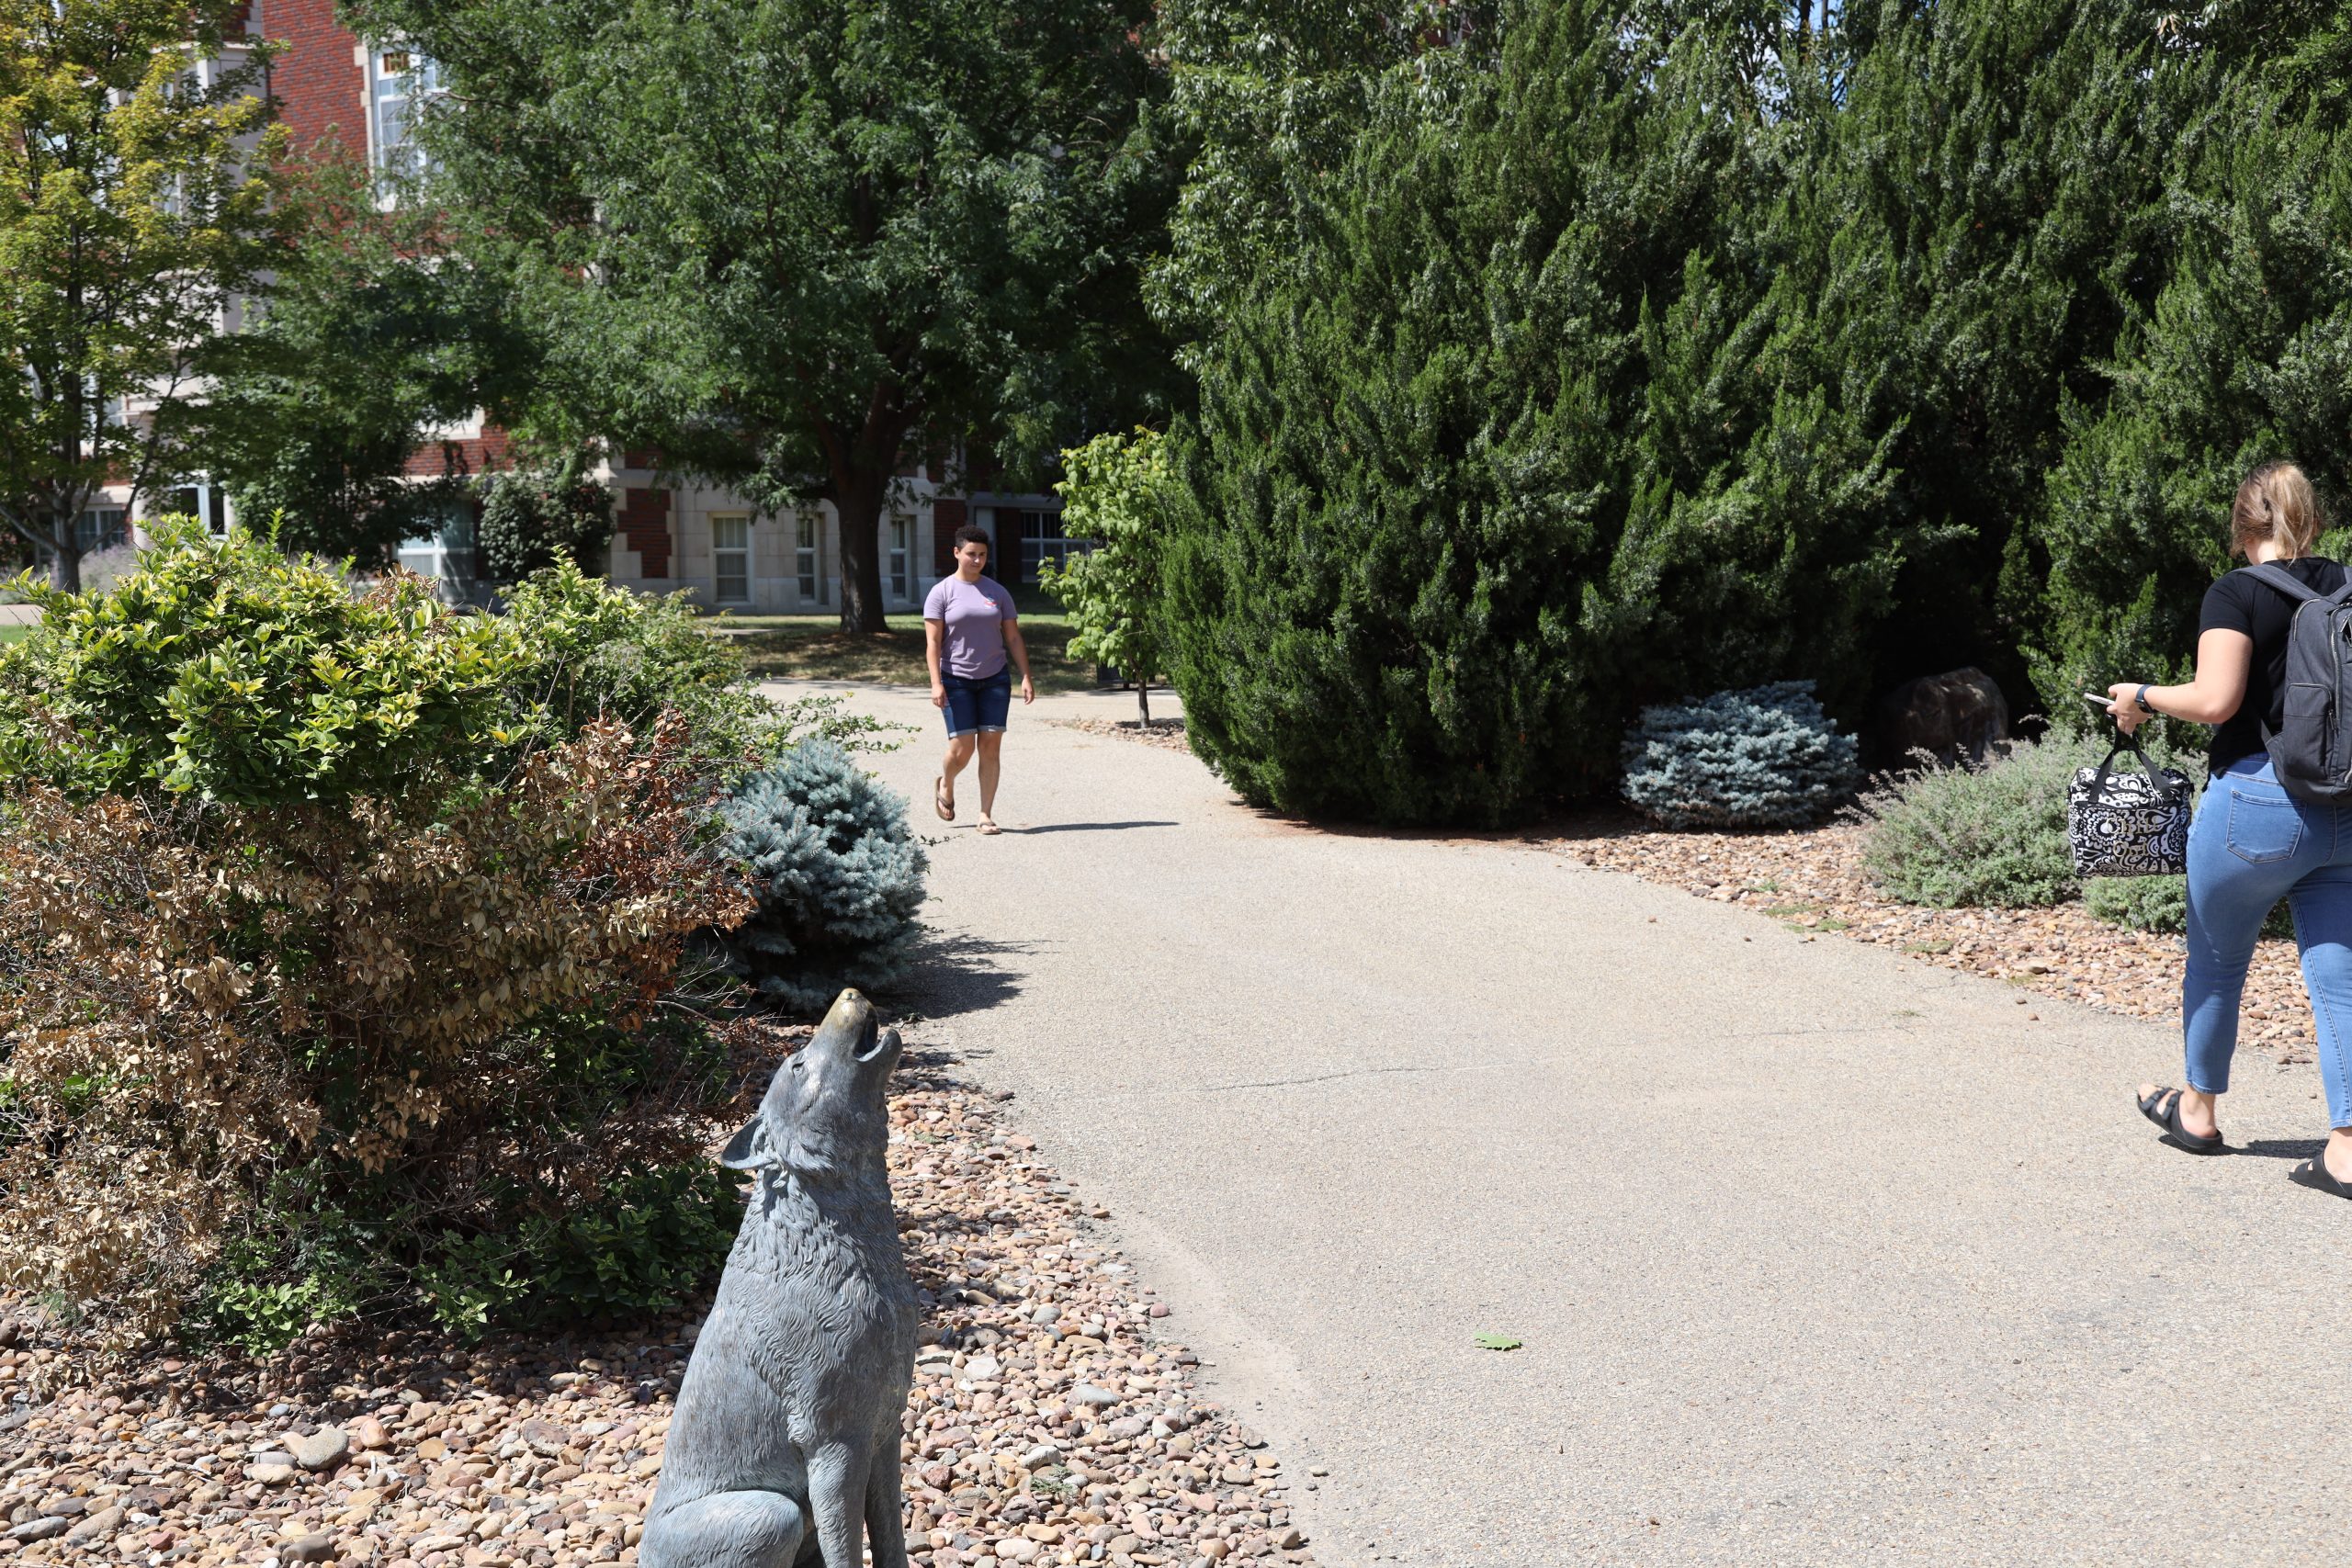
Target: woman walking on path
pixel 2252 843
pixel 969 629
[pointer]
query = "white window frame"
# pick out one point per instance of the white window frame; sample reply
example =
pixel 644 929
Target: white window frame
pixel 402 78
pixel 739 554
pixel 446 555
pixel 808 556
pixel 899 547
pixel 1035 547
pixel 208 503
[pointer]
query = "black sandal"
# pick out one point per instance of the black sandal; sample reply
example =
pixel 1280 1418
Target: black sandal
pixel 2314 1173
pixel 2179 1136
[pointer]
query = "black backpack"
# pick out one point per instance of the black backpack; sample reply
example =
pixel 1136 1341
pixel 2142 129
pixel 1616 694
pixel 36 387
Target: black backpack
pixel 2311 748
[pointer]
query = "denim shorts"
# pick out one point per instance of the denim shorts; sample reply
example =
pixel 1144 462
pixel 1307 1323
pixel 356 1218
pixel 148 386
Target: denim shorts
pixel 978 703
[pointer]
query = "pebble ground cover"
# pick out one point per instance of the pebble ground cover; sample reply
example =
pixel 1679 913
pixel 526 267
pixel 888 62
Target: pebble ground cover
pixel 1053 1420
pixel 1812 881
pixel 1166 733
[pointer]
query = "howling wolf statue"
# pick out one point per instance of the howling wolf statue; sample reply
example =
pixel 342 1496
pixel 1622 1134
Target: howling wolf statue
pixel 783 1449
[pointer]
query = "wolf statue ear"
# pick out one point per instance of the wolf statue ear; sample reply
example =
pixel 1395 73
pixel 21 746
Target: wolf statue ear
pixel 751 1147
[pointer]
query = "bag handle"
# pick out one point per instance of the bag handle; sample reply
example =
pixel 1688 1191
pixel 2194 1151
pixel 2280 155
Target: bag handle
pixel 2163 785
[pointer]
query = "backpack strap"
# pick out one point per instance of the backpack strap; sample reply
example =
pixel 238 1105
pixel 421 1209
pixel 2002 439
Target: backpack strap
pixel 2286 582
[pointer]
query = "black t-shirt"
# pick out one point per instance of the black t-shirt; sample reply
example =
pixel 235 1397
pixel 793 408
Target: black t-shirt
pixel 2243 603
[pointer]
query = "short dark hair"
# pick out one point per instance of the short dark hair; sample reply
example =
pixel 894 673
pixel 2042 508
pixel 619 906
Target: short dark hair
pixel 973 534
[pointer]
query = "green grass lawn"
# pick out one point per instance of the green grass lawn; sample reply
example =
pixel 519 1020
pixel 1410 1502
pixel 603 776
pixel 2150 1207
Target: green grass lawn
pixel 814 647
pixel 15 634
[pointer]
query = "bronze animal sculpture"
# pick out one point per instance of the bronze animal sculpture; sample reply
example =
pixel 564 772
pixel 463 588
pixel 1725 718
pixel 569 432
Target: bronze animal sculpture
pixel 783 1449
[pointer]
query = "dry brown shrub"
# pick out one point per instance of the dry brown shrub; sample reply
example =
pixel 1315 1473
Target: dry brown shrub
pixel 196 995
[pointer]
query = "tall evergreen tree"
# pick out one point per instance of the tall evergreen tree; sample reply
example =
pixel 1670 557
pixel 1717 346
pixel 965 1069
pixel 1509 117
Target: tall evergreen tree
pixel 1956 252
pixel 2246 354
pixel 1466 485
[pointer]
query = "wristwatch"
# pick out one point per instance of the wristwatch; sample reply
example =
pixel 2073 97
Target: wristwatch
pixel 2141 696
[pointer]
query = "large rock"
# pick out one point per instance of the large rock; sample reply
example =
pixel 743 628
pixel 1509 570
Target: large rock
pixel 322 1450
pixel 1959 715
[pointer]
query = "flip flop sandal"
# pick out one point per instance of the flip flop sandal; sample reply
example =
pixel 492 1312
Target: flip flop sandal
pixel 991 829
pixel 2180 1136
pixel 939 801
pixel 2314 1173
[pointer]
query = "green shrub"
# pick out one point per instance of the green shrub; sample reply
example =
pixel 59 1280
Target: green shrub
pixel 837 874
pixel 1954 835
pixel 532 520
pixel 602 653
pixel 2141 903
pixel 395 1036
pixel 2160 904
pixel 226 670
pixel 1767 757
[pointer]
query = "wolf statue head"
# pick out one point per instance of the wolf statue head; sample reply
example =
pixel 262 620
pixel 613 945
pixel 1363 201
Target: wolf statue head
pixel 823 1116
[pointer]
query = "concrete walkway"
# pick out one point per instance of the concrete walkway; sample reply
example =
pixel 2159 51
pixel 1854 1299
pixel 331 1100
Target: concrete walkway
pixel 1819 1255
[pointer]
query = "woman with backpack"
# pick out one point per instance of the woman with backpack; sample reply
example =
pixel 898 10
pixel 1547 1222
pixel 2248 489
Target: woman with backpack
pixel 2253 843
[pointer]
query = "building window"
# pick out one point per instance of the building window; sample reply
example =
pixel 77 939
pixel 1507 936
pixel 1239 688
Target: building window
pixel 399 83
pixel 204 502
pixel 804 557
pixel 902 536
pixel 731 557
pixel 446 555
pixel 1041 540
pixel 101 529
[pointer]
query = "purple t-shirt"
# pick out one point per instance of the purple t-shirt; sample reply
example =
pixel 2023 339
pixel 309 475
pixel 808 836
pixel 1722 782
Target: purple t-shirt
pixel 974 614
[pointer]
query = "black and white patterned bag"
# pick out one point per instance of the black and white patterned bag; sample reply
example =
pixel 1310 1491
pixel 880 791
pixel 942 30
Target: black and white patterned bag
pixel 2128 824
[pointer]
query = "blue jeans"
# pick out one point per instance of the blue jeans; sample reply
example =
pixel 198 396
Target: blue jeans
pixel 2251 845
pixel 978 701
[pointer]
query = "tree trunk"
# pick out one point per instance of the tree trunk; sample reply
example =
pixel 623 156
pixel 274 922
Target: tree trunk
pixel 859 506
pixel 65 561
pixel 1143 698
pixel 863 464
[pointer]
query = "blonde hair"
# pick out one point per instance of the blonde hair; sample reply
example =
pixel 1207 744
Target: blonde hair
pixel 2276 503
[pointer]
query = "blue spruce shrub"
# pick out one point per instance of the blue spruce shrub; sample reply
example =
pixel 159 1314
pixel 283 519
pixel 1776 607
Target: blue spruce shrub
pixel 1767 757
pixel 837 873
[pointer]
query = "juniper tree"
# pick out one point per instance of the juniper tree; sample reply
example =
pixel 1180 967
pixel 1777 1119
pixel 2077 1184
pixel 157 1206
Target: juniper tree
pixel 2246 354
pixel 1481 465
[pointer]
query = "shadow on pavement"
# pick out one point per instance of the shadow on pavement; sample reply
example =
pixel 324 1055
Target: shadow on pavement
pixel 1087 827
pixel 962 974
pixel 2282 1148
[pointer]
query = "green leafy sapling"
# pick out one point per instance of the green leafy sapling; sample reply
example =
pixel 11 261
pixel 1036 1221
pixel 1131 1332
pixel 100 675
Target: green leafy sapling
pixel 1111 497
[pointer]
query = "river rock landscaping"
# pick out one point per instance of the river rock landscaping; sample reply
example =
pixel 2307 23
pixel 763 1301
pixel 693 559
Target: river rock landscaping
pixel 1166 733
pixel 1811 880
pixel 1051 1421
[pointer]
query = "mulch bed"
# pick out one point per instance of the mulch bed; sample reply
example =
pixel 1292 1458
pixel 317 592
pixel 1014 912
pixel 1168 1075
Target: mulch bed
pixel 1051 1421
pixel 1812 881
pixel 1167 733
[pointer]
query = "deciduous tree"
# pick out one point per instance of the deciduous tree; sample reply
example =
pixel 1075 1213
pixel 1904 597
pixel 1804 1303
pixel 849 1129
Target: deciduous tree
pixel 1114 495
pixel 135 210
pixel 796 245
